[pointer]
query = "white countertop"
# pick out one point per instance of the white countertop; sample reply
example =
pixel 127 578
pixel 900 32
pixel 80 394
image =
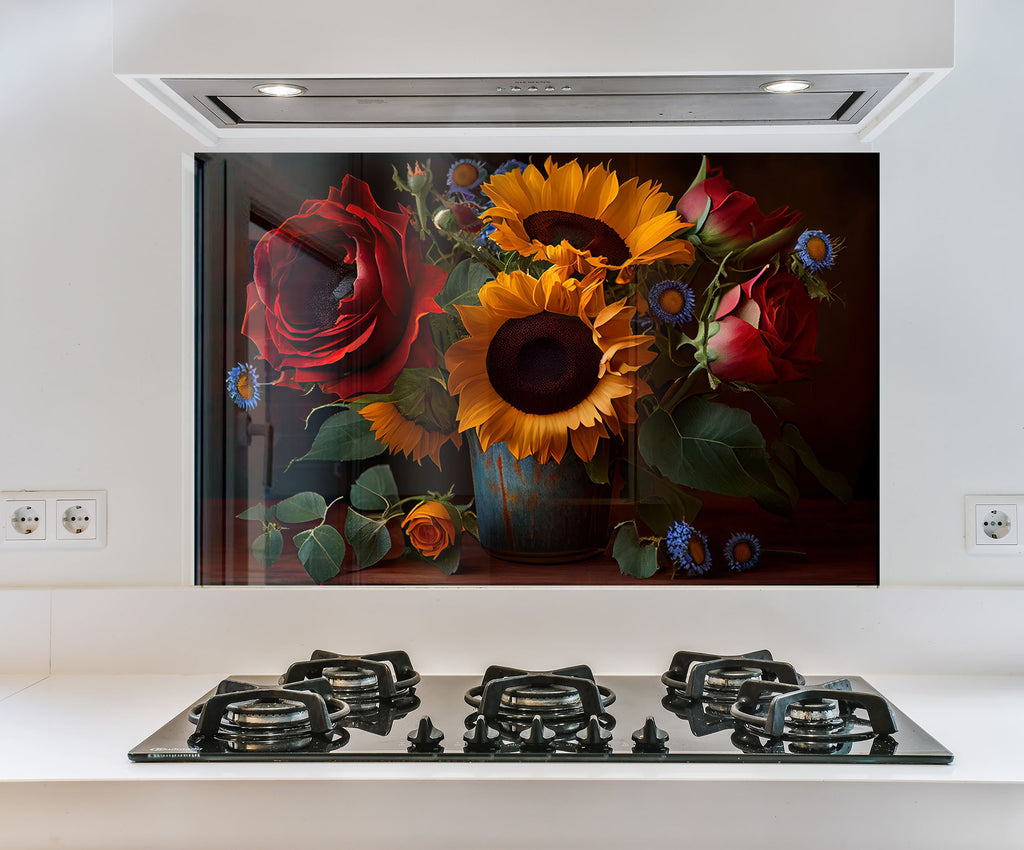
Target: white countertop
pixel 102 717
pixel 64 741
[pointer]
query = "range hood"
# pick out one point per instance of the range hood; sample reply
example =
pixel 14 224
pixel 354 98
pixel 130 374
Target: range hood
pixel 649 67
pixel 515 101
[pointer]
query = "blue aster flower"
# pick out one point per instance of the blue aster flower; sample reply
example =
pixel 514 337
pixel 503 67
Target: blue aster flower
pixel 509 165
pixel 815 250
pixel 672 302
pixel 688 549
pixel 742 552
pixel 484 238
pixel 465 176
pixel 243 386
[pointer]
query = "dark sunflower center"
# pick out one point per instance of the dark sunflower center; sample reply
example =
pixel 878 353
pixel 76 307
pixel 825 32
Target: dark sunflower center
pixel 330 284
pixel 585 234
pixel 742 553
pixel 697 551
pixel 543 363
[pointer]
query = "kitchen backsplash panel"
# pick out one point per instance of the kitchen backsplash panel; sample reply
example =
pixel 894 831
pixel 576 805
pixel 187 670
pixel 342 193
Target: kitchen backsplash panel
pixel 533 369
pixel 956 631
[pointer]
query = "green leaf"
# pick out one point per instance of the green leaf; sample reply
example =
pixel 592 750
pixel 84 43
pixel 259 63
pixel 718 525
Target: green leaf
pixel 302 507
pixel 598 466
pixel 258 513
pixel 321 551
pixel 375 490
pixel 342 437
pixel 634 557
pixel 702 173
pixel 832 481
pixel 470 524
pixel 660 502
pixel 368 537
pixel 268 546
pixel 421 395
pixel 785 481
pixel 463 286
pixel 447 562
pixel 329 406
pixel 711 447
pixel 703 217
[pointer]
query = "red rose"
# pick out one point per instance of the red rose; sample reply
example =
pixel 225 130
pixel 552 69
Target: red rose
pixel 767 331
pixel 338 294
pixel 735 223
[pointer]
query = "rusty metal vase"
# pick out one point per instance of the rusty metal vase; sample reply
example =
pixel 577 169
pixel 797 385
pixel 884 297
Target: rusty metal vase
pixel 536 513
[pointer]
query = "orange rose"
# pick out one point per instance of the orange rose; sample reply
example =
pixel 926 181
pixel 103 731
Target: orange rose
pixel 430 528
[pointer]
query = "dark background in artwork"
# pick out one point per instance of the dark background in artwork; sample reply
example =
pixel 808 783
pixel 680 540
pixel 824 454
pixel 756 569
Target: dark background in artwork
pixel 241 457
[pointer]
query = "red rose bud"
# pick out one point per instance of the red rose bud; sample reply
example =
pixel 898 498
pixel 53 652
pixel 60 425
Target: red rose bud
pixel 338 293
pixel 467 216
pixel 768 328
pixel 735 223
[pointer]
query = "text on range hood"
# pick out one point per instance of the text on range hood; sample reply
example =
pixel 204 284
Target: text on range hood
pixel 583 101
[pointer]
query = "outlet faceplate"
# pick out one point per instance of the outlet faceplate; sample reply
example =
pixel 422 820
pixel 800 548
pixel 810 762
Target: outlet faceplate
pixel 991 525
pixel 24 520
pixel 54 519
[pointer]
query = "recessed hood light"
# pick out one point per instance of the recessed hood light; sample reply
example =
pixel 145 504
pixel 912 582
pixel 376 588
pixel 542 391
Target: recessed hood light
pixel 786 86
pixel 280 90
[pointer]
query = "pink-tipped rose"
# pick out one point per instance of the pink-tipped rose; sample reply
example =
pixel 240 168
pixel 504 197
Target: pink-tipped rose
pixel 735 223
pixel 767 331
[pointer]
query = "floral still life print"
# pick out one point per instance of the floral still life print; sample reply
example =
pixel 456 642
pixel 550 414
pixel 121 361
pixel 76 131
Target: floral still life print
pixel 538 369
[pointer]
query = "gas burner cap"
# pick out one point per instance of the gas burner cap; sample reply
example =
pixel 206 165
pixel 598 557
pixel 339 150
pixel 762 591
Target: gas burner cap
pixel 563 698
pixel 385 677
pixel 548 701
pixel 821 715
pixel 729 679
pixel 266 714
pixel 703 676
pixel 350 681
pixel 827 712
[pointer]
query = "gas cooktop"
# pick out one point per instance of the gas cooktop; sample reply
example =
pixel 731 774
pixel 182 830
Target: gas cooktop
pixel 704 708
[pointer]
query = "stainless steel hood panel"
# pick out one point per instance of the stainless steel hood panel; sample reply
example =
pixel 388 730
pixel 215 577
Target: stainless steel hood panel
pixel 583 101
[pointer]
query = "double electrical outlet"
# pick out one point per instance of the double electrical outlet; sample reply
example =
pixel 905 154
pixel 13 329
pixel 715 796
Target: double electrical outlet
pixel 991 525
pixel 54 519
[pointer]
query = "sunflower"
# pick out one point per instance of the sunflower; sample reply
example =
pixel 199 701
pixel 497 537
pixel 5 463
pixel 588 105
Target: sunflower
pixel 404 435
pixel 547 361
pixel 583 219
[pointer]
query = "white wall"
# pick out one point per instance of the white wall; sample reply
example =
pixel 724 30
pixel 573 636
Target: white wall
pixel 92 340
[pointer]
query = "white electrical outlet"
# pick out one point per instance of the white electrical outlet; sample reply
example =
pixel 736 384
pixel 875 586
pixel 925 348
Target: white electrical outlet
pixel 991 525
pixel 54 519
pixel 24 520
pixel 76 519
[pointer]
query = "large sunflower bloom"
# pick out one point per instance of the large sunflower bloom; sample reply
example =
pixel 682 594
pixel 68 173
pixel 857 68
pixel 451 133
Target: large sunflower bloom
pixel 546 362
pixel 583 219
pixel 403 435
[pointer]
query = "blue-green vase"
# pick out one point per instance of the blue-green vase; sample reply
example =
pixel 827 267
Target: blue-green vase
pixel 537 513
